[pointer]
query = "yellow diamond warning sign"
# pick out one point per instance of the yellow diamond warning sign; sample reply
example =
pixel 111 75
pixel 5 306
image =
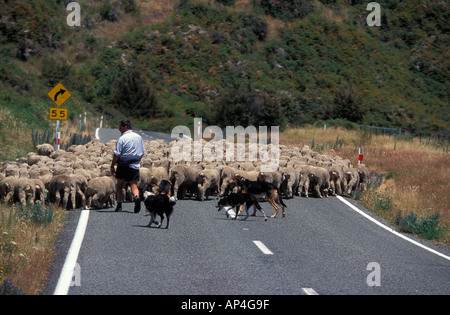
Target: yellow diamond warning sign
pixel 59 94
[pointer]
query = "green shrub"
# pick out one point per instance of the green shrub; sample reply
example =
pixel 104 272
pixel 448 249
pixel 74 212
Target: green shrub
pixel 226 2
pixel 348 105
pixel 383 202
pixel 7 288
pixel 287 9
pixel 108 12
pixel 129 6
pixel 427 227
pixel 56 70
pixel 254 25
pixel 135 95
pixel 36 213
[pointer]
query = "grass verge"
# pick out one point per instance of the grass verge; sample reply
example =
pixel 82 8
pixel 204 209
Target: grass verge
pixel 27 239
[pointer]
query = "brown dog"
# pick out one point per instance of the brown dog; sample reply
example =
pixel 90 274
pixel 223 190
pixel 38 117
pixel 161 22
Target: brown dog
pixel 262 189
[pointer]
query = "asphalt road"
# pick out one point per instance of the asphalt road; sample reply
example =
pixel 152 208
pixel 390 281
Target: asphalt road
pixel 322 245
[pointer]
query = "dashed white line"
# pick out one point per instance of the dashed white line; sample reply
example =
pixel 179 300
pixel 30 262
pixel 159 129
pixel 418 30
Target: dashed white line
pixel 309 291
pixel 263 247
pixel 62 288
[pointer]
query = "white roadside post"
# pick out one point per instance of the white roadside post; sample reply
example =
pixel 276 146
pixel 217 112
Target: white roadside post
pixel 57 137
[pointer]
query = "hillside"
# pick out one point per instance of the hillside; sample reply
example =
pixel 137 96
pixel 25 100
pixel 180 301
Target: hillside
pixel 231 62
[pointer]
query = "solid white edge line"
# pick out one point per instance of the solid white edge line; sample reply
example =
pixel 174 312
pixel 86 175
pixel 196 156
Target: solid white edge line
pixel 96 134
pixel 309 291
pixel 263 247
pixel 391 230
pixel 65 278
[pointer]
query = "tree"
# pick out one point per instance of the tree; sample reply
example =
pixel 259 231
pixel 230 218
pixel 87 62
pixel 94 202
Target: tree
pixel 348 104
pixel 134 94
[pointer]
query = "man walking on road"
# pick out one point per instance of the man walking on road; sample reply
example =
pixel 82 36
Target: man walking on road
pixel 127 155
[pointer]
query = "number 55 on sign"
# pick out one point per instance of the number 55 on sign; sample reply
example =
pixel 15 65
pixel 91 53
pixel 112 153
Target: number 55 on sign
pixel 59 113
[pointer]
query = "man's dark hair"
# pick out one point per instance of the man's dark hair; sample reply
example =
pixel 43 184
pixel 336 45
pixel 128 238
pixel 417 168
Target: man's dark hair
pixel 126 123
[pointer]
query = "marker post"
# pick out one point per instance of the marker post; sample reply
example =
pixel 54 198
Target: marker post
pixel 57 137
pixel 360 156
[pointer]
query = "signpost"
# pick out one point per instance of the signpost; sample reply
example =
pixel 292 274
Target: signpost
pixel 59 95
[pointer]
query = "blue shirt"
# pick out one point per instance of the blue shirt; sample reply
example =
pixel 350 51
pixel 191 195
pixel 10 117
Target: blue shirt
pixel 130 147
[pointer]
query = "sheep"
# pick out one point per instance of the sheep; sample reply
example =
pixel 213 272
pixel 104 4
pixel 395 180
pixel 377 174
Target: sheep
pixel 275 178
pixel 12 171
pixel 363 173
pixel 226 172
pixel 351 179
pixel 319 178
pixel 182 177
pixel 78 188
pixel 7 187
pixel 59 186
pixel 145 180
pixel 34 158
pixel 158 174
pixel 39 190
pixel 303 185
pixel 100 190
pixel 14 189
pixel 250 175
pixel 290 181
pixel 208 180
pixel 93 160
pixel 45 149
pixel 84 172
pixel 336 178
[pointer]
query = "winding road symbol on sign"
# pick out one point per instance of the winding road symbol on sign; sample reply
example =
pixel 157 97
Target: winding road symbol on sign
pixel 61 92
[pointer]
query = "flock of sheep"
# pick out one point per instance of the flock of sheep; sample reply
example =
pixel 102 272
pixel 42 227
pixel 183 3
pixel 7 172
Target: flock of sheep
pixel 80 176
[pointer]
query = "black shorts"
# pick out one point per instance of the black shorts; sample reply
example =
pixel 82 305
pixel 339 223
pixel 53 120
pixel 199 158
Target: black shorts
pixel 127 173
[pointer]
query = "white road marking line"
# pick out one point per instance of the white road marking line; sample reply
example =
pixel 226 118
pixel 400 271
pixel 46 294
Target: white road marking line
pixel 263 247
pixel 391 230
pixel 309 291
pixel 62 288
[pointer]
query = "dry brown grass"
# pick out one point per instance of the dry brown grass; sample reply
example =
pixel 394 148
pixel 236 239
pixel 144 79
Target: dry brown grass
pixel 336 14
pixel 26 249
pixel 150 12
pixel 352 138
pixel 416 172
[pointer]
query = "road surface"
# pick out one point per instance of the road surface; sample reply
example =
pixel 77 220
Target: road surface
pixel 323 247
